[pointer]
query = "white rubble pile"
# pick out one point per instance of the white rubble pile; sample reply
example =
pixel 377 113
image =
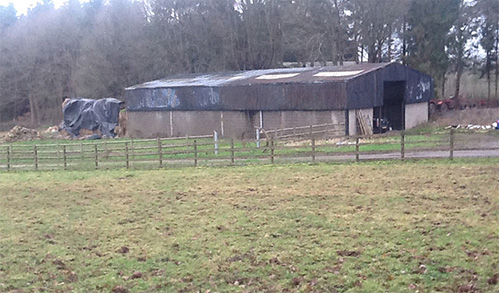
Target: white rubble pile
pixel 473 126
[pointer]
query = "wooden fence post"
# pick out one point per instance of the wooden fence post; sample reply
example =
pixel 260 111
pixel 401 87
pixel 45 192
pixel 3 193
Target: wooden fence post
pixel 58 151
pixel 35 150
pixel 81 150
pixel 313 149
pixel 127 156
pixel 96 157
pixel 451 147
pixel 195 153
pixel 64 156
pixel 272 150
pixel 357 140
pixel 8 157
pixel 402 146
pixel 232 151
pixel 160 153
pixel 311 131
pixel 133 148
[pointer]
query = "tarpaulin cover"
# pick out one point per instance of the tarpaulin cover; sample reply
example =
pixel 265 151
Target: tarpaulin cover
pixel 90 114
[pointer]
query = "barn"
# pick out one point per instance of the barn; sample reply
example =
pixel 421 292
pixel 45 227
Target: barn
pixel 235 103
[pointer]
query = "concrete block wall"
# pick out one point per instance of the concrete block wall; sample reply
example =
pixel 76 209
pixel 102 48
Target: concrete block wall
pixel 195 123
pixel 148 124
pixel 237 125
pixel 287 119
pixel 229 124
pixel 415 114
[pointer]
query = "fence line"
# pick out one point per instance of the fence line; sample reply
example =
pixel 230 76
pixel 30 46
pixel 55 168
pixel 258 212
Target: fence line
pixel 202 151
pixel 300 131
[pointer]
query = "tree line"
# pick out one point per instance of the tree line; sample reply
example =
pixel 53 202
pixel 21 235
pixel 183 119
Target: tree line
pixel 98 48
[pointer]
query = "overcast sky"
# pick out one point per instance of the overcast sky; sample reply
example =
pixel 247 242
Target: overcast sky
pixel 23 5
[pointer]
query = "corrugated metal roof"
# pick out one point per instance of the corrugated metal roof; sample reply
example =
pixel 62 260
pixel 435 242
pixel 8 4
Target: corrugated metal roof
pixel 266 76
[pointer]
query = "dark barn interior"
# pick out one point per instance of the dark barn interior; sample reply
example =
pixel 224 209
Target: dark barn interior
pixel 393 104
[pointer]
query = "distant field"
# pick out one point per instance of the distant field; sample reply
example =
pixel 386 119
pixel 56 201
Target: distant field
pixel 367 227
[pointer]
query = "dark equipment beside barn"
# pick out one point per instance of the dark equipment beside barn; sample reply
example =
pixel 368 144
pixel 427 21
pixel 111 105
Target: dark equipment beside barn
pixel 380 125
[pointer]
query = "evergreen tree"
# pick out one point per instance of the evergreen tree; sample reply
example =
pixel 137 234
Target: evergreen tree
pixel 428 25
pixel 459 49
pixel 489 27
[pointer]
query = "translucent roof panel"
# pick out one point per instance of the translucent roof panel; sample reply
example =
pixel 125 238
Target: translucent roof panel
pixel 338 73
pixel 277 76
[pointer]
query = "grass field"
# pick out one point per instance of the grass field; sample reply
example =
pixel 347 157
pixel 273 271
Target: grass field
pixel 367 227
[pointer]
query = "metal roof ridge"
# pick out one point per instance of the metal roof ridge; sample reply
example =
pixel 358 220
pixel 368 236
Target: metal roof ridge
pixel 220 79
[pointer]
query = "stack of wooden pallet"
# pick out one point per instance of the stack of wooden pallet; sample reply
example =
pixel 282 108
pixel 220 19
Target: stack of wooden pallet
pixel 363 121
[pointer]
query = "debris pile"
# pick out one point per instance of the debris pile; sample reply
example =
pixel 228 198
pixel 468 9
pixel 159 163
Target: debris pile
pixel 19 133
pixel 345 142
pixel 473 126
pixel 55 132
pixel 52 129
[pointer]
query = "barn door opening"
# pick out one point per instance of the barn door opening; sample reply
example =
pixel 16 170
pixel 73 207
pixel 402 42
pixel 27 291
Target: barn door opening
pixel 393 104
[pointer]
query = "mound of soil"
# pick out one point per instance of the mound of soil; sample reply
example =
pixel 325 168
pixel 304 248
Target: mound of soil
pixel 19 133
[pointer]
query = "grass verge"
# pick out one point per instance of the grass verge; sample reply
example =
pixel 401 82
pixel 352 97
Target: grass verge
pixel 368 227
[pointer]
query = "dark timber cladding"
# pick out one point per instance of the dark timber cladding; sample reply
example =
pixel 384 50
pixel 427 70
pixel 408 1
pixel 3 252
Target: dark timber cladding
pixel 287 97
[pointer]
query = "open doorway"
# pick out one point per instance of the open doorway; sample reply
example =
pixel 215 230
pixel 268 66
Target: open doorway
pixel 393 104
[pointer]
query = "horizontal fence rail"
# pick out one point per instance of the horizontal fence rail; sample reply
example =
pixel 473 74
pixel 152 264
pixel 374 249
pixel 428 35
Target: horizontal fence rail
pixel 303 131
pixel 275 149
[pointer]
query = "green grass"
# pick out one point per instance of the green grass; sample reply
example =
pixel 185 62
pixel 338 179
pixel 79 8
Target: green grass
pixel 368 227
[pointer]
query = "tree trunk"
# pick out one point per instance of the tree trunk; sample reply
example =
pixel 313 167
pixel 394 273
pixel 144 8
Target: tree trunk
pixel 233 37
pixel 404 42
pixel 371 54
pixel 443 85
pixel 356 52
pixel 488 74
pixel 379 49
pixel 390 49
pixel 339 37
pixel 334 52
pixel 33 108
pixel 459 73
pixel 488 85
pixel 389 42
pixel 497 61
pixel 361 53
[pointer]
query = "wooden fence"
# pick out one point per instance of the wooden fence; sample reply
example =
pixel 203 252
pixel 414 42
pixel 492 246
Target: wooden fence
pixel 205 151
pixel 320 130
